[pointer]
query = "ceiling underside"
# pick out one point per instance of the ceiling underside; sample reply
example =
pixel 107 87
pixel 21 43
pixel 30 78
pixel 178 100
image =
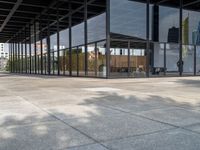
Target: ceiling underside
pixel 16 16
pixel 16 19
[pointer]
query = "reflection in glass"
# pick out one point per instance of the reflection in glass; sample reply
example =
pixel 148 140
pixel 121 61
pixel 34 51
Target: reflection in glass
pixel 97 28
pixel 74 61
pixel 172 58
pixel 54 54
pixel 188 59
pixel 81 60
pixel 101 59
pixel 137 59
pixel 157 69
pixel 44 45
pixel 38 53
pixel 198 60
pixel 128 18
pixel 168 24
pixel 119 58
pixel 78 35
pixel 191 27
pixel 91 60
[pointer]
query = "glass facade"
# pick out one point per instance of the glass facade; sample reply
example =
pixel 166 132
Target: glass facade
pixel 121 38
pixel 128 18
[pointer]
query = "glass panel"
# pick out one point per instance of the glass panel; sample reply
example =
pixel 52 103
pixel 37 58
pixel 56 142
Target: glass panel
pixel 54 54
pixel 127 18
pixel 191 27
pixel 172 58
pixel 81 60
pixel 44 42
pixel 66 61
pixel 97 28
pixel 157 60
pixel 32 58
pixel 45 63
pixel 74 61
pixel 62 62
pixel 91 60
pixel 137 59
pixel 37 47
pixel 78 29
pixel 64 52
pixel 64 39
pixel 198 60
pixel 188 59
pixel 24 58
pixel 168 24
pixel 119 59
pixel 28 57
pixel 38 52
pixel 78 35
pixel 101 59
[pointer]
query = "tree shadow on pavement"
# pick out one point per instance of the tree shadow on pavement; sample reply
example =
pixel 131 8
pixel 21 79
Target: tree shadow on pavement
pixel 105 116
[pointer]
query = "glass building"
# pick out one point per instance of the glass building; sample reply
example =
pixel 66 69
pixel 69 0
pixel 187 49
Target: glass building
pixel 102 38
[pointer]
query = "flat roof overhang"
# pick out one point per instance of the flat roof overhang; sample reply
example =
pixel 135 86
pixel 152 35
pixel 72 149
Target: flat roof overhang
pixel 18 15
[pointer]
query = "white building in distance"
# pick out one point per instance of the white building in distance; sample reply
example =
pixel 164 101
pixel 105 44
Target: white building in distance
pixel 4 56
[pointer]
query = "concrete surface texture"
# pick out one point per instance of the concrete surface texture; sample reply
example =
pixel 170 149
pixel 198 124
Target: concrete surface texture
pixel 57 113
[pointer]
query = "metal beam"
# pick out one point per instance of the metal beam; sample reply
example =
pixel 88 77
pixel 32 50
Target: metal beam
pixel 162 1
pixel 17 4
pixel 191 3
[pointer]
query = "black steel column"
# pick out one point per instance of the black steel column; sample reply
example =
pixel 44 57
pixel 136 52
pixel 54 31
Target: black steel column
pixel 13 48
pixel 77 61
pixel 165 60
pixel 147 38
pixel 30 55
pixel 41 46
pixel 95 59
pixel 195 60
pixel 70 38
pixel 53 60
pixel 48 49
pixel 14 56
pixel 180 38
pixel 129 63
pixel 25 42
pixel 35 47
pixel 155 24
pixel 107 38
pixel 18 47
pixel 22 56
pixel 85 37
pixel 58 42
pixel 9 62
pixel 10 57
pixel 17 63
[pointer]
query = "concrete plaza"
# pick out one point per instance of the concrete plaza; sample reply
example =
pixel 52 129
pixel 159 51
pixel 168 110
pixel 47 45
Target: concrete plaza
pixel 57 113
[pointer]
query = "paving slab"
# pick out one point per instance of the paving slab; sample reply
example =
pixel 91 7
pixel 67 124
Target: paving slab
pixel 44 136
pixel 88 147
pixel 89 111
pixel 177 139
pixel 173 115
pixel 102 128
pixel 133 102
pixel 194 128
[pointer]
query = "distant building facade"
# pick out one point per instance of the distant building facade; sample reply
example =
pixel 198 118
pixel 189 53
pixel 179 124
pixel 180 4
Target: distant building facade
pixel 4 56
